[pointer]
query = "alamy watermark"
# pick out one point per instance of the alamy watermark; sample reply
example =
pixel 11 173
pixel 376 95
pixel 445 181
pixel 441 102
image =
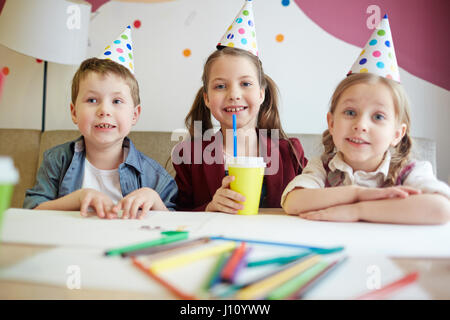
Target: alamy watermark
pixel 374 19
pixel 74 19
pixel 73 277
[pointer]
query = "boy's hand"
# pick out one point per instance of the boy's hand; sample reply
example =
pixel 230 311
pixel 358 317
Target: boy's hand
pixel 101 203
pixel 224 199
pixel 144 198
pixel 368 194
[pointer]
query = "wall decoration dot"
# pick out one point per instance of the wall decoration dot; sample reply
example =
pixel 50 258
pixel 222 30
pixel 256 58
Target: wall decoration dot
pixel 285 2
pixel 187 52
pixel 137 24
pixel 279 38
pixel 39 60
pixel 5 71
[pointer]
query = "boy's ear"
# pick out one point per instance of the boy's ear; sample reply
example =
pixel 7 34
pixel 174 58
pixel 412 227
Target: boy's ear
pixel 73 113
pixel 399 134
pixel 330 121
pixel 136 114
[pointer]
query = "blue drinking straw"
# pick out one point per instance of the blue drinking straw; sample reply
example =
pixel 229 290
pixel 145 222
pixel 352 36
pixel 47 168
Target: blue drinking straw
pixel 234 136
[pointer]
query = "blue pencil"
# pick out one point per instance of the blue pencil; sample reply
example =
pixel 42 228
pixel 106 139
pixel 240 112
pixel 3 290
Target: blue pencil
pixel 282 244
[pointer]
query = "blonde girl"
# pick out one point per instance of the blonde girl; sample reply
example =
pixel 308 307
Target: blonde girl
pixel 365 172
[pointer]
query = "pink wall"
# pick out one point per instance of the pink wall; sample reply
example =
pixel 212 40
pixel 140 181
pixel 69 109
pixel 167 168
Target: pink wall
pixel 419 30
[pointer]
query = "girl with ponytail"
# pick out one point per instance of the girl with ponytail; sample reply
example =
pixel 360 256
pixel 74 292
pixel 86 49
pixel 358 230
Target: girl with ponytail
pixel 365 172
pixel 233 83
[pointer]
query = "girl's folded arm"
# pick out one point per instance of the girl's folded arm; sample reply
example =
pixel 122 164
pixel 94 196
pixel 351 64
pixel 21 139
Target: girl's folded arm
pixel 303 200
pixel 415 209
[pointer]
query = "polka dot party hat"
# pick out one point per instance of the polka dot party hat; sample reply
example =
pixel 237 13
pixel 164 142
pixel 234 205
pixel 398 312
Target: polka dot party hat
pixel 378 55
pixel 241 34
pixel 121 50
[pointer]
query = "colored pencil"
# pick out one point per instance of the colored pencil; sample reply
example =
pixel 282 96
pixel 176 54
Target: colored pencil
pixel 296 282
pixel 174 261
pixel 175 236
pixel 177 292
pixel 277 260
pixel 214 275
pixel 315 280
pixel 385 291
pixel 291 245
pixel 166 248
pixel 260 289
pixel 230 267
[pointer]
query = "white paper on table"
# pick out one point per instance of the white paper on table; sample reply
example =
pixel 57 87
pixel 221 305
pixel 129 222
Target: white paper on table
pixel 347 281
pixel 69 228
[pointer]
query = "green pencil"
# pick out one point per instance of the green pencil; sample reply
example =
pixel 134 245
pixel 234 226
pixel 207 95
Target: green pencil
pixel 169 236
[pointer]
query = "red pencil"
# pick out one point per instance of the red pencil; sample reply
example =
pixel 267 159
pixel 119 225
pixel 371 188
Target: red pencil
pixel 230 267
pixel 163 282
pixel 383 292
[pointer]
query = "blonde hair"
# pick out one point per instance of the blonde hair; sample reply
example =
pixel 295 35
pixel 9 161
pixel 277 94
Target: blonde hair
pixel 105 67
pixel 268 116
pixel 401 152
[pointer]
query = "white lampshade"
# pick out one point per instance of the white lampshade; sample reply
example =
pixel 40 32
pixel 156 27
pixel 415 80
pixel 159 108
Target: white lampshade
pixel 51 30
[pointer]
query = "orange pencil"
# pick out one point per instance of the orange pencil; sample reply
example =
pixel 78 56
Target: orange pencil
pixel 167 285
pixel 229 269
pixel 390 288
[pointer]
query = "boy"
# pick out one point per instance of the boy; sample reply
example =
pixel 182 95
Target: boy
pixel 102 167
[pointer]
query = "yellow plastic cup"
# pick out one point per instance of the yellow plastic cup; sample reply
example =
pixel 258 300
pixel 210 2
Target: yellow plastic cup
pixel 249 176
pixel 8 178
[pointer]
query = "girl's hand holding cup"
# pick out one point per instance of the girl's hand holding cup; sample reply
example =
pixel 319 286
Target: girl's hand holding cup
pixel 225 199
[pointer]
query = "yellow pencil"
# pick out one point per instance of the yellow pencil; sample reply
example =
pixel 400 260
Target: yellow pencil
pixel 188 257
pixel 261 288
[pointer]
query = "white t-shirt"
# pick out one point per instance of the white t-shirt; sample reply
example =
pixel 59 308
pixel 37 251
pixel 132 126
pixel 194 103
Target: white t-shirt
pixel 105 181
pixel 314 176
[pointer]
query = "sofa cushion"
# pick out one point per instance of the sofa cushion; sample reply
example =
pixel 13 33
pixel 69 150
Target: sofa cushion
pixel 23 146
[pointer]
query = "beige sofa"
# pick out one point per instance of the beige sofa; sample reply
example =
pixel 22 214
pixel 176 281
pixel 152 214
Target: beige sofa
pixel 26 147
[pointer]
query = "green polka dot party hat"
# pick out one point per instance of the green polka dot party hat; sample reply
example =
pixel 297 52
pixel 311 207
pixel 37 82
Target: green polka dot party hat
pixel 121 50
pixel 241 33
pixel 378 55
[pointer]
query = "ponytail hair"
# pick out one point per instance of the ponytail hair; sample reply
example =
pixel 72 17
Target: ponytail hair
pixel 400 153
pixel 199 112
pixel 399 158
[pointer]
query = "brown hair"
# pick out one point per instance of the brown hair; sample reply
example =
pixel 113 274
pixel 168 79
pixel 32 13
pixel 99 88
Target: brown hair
pixel 400 153
pixel 268 116
pixel 105 67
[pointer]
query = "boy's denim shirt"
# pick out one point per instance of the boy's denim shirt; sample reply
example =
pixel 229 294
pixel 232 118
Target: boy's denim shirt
pixel 62 172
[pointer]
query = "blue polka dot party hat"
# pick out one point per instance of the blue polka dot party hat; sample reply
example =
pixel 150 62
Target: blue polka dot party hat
pixel 121 50
pixel 378 55
pixel 241 33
